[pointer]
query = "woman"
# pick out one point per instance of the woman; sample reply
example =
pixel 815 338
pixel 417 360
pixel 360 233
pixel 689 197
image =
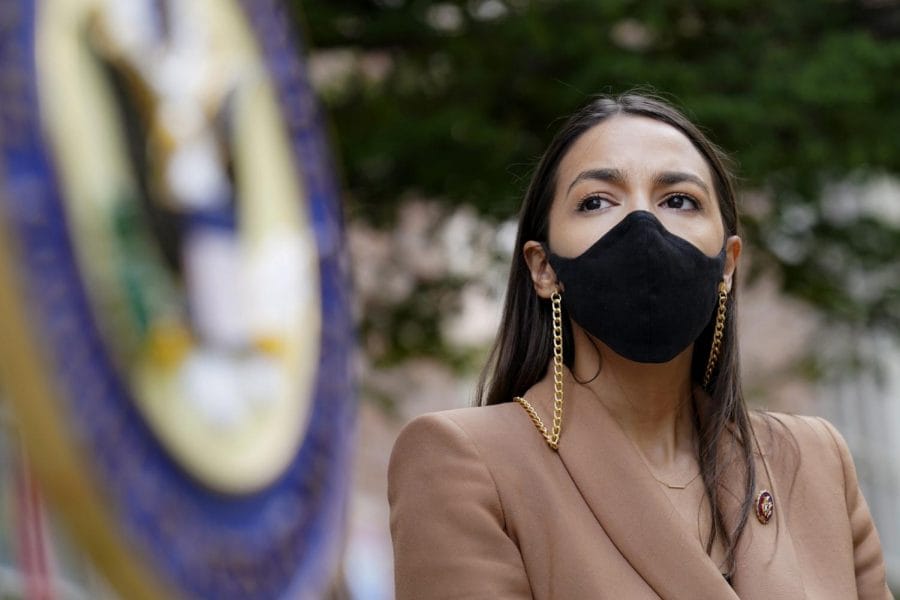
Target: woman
pixel 613 455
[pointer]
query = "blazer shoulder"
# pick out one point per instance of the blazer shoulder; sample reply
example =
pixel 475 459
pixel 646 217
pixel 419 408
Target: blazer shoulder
pixel 801 443
pixel 807 431
pixel 448 522
pixel 476 426
pixel 829 486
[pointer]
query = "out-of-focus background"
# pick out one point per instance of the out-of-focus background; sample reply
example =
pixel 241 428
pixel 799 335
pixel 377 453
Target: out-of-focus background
pixel 438 111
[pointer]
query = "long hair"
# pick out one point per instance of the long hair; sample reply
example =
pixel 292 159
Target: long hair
pixel 522 351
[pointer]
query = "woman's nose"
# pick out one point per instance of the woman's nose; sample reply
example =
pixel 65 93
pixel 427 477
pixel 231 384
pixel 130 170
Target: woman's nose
pixel 640 201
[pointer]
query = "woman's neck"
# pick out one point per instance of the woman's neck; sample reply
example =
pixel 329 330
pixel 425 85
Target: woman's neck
pixel 651 402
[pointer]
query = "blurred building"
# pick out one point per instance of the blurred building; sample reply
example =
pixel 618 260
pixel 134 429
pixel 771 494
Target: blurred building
pixel 866 409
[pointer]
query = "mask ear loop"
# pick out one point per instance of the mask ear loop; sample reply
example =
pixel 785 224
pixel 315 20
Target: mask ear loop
pixel 599 364
pixel 546 247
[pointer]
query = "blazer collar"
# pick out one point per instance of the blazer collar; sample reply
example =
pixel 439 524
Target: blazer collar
pixel 640 519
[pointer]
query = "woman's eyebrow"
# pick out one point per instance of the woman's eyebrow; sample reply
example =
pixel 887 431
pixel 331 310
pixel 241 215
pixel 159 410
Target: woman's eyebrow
pixel 667 178
pixel 617 177
pixel 611 175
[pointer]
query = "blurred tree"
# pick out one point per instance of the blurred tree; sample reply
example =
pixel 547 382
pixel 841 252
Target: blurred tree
pixel 455 100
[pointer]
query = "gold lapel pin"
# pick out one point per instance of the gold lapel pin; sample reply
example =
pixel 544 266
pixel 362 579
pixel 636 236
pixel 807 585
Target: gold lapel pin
pixel 765 506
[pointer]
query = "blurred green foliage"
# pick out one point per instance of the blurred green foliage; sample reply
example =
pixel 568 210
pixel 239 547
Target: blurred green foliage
pixel 803 93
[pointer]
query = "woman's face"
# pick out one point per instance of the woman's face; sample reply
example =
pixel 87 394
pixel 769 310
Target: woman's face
pixel 629 163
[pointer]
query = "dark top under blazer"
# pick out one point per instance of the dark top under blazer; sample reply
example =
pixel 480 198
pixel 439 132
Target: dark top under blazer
pixel 482 508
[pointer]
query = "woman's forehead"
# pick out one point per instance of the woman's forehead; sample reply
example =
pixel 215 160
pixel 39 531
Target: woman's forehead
pixel 639 147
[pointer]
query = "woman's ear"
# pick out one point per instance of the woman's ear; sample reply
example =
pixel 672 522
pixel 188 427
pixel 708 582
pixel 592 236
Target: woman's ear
pixel 542 274
pixel 732 255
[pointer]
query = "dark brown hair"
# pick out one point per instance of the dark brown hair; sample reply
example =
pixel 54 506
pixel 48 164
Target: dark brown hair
pixel 522 350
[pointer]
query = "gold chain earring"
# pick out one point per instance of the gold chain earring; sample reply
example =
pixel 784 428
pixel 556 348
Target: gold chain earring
pixel 718 334
pixel 552 437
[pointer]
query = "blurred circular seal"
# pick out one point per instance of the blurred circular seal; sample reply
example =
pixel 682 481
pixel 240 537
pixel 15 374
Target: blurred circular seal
pixel 175 293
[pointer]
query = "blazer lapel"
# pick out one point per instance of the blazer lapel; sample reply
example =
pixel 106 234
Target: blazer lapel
pixel 767 566
pixel 633 511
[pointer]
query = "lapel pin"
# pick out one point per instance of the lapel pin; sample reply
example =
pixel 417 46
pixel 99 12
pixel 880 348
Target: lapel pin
pixel 765 506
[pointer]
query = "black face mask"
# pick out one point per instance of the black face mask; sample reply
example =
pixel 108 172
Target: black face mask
pixel 641 290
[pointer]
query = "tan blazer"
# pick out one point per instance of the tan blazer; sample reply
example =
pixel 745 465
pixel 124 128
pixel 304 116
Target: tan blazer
pixel 481 507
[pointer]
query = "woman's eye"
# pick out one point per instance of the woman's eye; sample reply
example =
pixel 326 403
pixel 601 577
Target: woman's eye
pixel 593 203
pixel 681 202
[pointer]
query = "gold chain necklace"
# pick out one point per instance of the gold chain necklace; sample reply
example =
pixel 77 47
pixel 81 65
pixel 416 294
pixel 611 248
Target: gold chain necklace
pixel 675 486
